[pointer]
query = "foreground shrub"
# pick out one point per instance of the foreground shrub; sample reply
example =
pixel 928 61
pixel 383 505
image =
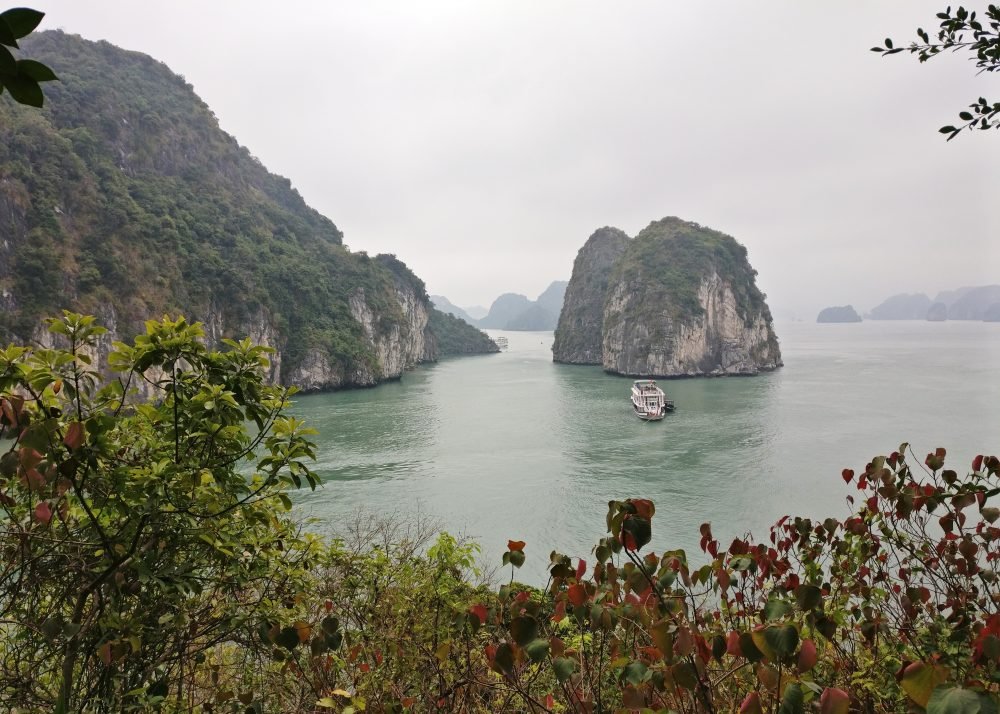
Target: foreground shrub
pixel 149 564
pixel 139 534
pixel 892 609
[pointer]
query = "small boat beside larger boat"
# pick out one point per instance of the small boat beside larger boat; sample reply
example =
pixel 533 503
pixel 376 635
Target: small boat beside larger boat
pixel 649 401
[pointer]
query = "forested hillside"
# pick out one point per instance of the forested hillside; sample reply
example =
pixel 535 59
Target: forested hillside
pixel 124 197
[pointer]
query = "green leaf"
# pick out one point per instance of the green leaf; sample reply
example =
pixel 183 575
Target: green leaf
pixel 793 702
pixel 504 659
pixel 640 529
pixel 783 640
pixel 748 647
pixel 684 675
pixel 965 116
pixel 808 596
pixel 24 90
pixel 524 629
pixel 8 65
pixel 537 650
pixel 956 700
pixel 776 609
pixel 564 668
pixel 6 35
pixel 946 130
pixel 330 625
pixel 636 673
pixel 21 20
pixel 516 558
pixel 288 638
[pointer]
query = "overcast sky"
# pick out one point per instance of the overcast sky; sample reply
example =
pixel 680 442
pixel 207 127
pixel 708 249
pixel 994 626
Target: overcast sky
pixel 482 142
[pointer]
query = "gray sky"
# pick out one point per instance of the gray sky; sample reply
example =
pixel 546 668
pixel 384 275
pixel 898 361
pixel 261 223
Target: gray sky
pixel 482 142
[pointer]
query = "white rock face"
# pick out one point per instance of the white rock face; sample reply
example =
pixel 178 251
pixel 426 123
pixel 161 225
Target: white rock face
pixel 719 342
pixel 399 342
pixel 401 346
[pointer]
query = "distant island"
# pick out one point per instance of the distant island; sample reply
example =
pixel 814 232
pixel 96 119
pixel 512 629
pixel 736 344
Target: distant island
pixel 677 300
pixel 847 313
pixel 967 303
pixel 512 311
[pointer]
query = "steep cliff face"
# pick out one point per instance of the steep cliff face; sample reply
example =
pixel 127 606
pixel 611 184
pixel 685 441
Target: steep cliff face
pixel 680 300
pixel 578 334
pixel 721 341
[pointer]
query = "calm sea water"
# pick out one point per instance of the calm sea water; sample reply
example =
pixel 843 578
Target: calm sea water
pixel 514 446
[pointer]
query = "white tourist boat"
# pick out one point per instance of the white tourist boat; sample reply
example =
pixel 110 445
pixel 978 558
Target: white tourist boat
pixel 649 401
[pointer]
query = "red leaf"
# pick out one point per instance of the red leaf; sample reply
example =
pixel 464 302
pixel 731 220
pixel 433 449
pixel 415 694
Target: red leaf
pixel 577 594
pixel 33 479
pixel 43 513
pixel 733 644
pixel 74 435
pixel 517 545
pixel 807 656
pixel 479 611
pixel 847 474
pixel 581 568
pixel 643 507
pixel 751 705
pixel 29 457
pixel 560 611
pixel 977 463
pixel 8 412
pixel 834 701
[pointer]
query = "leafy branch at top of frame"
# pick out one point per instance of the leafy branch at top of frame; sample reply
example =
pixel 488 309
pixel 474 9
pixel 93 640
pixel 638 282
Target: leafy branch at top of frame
pixel 22 78
pixel 961 30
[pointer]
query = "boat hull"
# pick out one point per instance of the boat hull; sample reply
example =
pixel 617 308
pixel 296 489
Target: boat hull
pixel 650 417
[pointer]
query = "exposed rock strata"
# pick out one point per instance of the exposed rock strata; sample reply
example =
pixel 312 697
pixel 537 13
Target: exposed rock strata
pixel 678 300
pixel 578 335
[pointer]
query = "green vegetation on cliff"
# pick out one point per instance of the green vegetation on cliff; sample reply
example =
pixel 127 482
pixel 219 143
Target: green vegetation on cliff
pixel 124 194
pixel 457 337
pixel 671 257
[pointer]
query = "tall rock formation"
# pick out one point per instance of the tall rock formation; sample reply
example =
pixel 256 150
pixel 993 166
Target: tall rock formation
pixel 504 309
pixel 678 300
pixel 124 198
pixel 902 307
pixel 974 303
pixel 578 334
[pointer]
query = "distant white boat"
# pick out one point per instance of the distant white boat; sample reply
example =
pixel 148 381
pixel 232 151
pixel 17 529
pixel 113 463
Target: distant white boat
pixel 501 342
pixel 649 401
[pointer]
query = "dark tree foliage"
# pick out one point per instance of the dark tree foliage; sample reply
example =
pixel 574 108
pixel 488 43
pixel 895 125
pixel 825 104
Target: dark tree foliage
pixel 962 31
pixel 456 337
pixel 21 78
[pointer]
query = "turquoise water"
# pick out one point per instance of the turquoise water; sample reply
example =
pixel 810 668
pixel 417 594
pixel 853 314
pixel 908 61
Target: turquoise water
pixel 514 446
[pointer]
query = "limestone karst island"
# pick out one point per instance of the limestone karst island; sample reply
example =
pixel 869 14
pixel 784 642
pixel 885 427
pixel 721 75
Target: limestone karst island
pixel 316 398
pixel 678 300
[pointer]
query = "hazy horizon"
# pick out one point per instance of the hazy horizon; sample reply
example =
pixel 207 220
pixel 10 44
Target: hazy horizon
pixel 483 143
